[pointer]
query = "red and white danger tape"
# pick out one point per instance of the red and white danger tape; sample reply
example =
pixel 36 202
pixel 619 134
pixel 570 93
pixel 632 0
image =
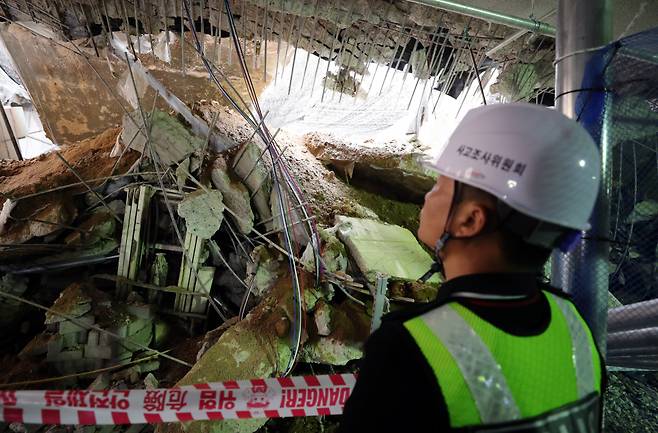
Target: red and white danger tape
pixel 242 399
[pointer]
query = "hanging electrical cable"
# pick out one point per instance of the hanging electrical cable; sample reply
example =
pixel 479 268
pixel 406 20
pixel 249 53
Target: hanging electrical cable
pixel 296 330
pixel 280 173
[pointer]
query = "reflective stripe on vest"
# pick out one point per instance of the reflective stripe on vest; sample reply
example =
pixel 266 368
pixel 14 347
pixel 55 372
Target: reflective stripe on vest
pixel 581 346
pixel 480 370
pixel 474 363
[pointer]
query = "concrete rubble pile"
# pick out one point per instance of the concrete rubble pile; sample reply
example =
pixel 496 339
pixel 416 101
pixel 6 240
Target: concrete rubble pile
pixel 159 261
pixel 142 245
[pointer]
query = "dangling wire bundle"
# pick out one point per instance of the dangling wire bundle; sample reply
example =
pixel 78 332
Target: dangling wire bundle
pixel 280 173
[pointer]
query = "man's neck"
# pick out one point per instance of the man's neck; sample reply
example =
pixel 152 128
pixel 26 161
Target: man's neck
pixel 462 265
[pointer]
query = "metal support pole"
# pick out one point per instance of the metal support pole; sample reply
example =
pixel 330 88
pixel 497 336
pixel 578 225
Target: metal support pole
pixel 496 17
pixel 583 273
pixel 379 302
pixel 10 131
pixel 517 35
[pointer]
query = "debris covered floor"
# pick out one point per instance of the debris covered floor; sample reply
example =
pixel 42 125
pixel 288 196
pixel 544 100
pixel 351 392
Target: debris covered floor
pixel 172 273
pixel 144 276
pixel 166 241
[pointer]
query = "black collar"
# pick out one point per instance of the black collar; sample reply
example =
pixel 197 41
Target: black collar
pixel 508 286
pixel 514 285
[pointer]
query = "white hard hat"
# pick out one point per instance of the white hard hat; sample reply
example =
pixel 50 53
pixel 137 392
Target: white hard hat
pixel 536 160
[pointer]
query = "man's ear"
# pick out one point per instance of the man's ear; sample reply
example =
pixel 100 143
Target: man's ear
pixel 470 219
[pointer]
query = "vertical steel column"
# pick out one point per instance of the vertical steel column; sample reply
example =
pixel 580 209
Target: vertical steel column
pixel 10 132
pixel 583 273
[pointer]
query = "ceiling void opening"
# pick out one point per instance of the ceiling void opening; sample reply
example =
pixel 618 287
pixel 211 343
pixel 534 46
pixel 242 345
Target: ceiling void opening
pixel 387 102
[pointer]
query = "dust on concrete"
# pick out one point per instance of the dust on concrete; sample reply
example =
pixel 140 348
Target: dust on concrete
pixel 89 158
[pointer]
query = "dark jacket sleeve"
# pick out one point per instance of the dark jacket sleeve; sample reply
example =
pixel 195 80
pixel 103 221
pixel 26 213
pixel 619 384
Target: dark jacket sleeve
pixel 396 390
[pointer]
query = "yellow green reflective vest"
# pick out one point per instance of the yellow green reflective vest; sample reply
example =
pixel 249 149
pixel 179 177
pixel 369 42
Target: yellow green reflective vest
pixel 490 377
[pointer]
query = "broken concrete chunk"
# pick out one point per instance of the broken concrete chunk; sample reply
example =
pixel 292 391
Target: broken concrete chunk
pixel 382 248
pixel 181 173
pixel 349 328
pixel 70 354
pixel 97 352
pixel 101 383
pixel 37 346
pixel 32 219
pixel 417 291
pixel 390 211
pixel 72 302
pixel 7 207
pixel 141 310
pixel 253 171
pixel 170 140
pixel 75 338
pixel 150 382
pixel 81 324
pixel 314 294
pixel 99 225
pixel 146 367
pixel 294 217
pixel 235 195
pixel 263 271
pixel 139 339
pixel 322 316
pixel 162 45
pixel 203 212
pixel 334 255
pixel 328 350
pixel 55 344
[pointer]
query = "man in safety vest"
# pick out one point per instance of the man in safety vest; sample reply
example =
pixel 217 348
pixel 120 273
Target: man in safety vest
pixel 498 351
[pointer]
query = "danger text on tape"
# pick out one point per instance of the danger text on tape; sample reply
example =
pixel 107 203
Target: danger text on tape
pixel 242 399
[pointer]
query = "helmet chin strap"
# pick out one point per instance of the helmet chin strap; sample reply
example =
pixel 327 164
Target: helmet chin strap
pixel 437 266
pixel 441 242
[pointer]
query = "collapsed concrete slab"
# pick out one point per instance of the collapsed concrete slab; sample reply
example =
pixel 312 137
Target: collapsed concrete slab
pixel 322 316
pixel 395 170
pixel 203 212
pixel 170 140
pixel 382 248
pixel 326 196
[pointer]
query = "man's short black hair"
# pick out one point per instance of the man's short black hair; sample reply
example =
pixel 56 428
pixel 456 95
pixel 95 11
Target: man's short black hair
pixel 520 253
pixel 516 250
